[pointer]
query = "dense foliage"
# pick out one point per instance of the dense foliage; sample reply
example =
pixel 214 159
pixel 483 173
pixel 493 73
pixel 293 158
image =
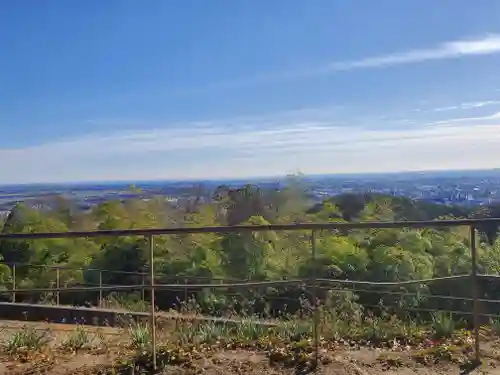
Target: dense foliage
pixel 373 255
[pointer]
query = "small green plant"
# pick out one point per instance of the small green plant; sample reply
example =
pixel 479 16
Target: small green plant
pixel 442 352
pixel 77 339
pixel 131 302
pixel 376 330
pixel 48 299
pixel 443 324
pixel 140 336
pixel 249 329
pixel 141 362
pixel 389 360
pixel 298 354
pixel 207 332
pixel 293 329
pixel 26 339
pixel 211 332
pixel 495 325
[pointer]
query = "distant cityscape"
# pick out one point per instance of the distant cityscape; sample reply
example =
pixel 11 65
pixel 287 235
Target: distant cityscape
pixel 469 188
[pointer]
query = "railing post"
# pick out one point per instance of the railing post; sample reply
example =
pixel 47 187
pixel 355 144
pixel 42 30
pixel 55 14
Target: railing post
pixel 58 279
pixel 315 301
pixel 14 283
pixel 475 291
pixel 152 285
pixel 100 288
pixel 143 290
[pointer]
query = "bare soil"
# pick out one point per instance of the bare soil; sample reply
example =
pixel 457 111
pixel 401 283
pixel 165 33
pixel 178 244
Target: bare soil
pixel 231 362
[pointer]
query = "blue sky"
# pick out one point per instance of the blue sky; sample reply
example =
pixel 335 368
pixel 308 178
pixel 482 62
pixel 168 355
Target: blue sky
pixel 130 90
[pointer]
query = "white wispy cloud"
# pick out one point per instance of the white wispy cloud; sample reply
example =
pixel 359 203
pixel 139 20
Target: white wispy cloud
pixel 485 45
pixel 271 146
pixel 491 117
pixel 468 105
pixel 449 50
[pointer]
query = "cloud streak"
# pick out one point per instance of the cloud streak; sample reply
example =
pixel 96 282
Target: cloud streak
pixel 450 50
pixel 478 46
pixel 468 105
pixel 217 149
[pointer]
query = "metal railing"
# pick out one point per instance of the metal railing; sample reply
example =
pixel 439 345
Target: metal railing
pixel 314 282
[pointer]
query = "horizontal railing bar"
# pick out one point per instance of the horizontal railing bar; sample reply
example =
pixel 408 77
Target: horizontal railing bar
pixel 254 228
pixel 166 315
pixel 66 267
pixel 408 294
pixel 422 309
pixel 238 284
pixel 392 283
pixel 382 292
pixel 325 288
pixel 155 286
pixel 52 328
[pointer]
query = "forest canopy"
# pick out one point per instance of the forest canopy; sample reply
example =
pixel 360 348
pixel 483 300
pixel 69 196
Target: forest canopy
pixel 375 255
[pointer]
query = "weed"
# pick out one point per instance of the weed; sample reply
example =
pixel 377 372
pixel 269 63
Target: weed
pixel 495 325
pixel 443 324
pixel 131 302
pixel 210 332
pixel 77 339
pixel 442 352
pixel 250 330
pixel 26 339
pixel 390 360
pixel 293 329
pixel 48 299
pixel 140 336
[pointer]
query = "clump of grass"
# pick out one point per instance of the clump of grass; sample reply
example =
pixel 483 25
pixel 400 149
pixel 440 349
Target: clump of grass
pixel 390 360
pixel 442 352
pixel 376 329
pixel 246 330
pixel 495 325
pixel 100 342
pixel 141 362
pixel 210 332
pixel 48 298
pixel 130 302
pixel 443 325
pixel 26 339
pixel 340 316
pixel 293 329
pixel 140 336
pixel 77 339
pixel 299 355
pixel 249 330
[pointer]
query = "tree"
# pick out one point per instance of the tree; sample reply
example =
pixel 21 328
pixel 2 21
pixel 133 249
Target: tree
pixel 337 257
pixel 250 255
pixel 351 205
pixel 361 254
pixel 121 261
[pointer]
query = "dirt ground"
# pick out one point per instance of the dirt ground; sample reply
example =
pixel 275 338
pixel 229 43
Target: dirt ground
pixel 231 362
pixel 240 362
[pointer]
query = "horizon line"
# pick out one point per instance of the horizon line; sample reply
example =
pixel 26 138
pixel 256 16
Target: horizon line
pixel 240 179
